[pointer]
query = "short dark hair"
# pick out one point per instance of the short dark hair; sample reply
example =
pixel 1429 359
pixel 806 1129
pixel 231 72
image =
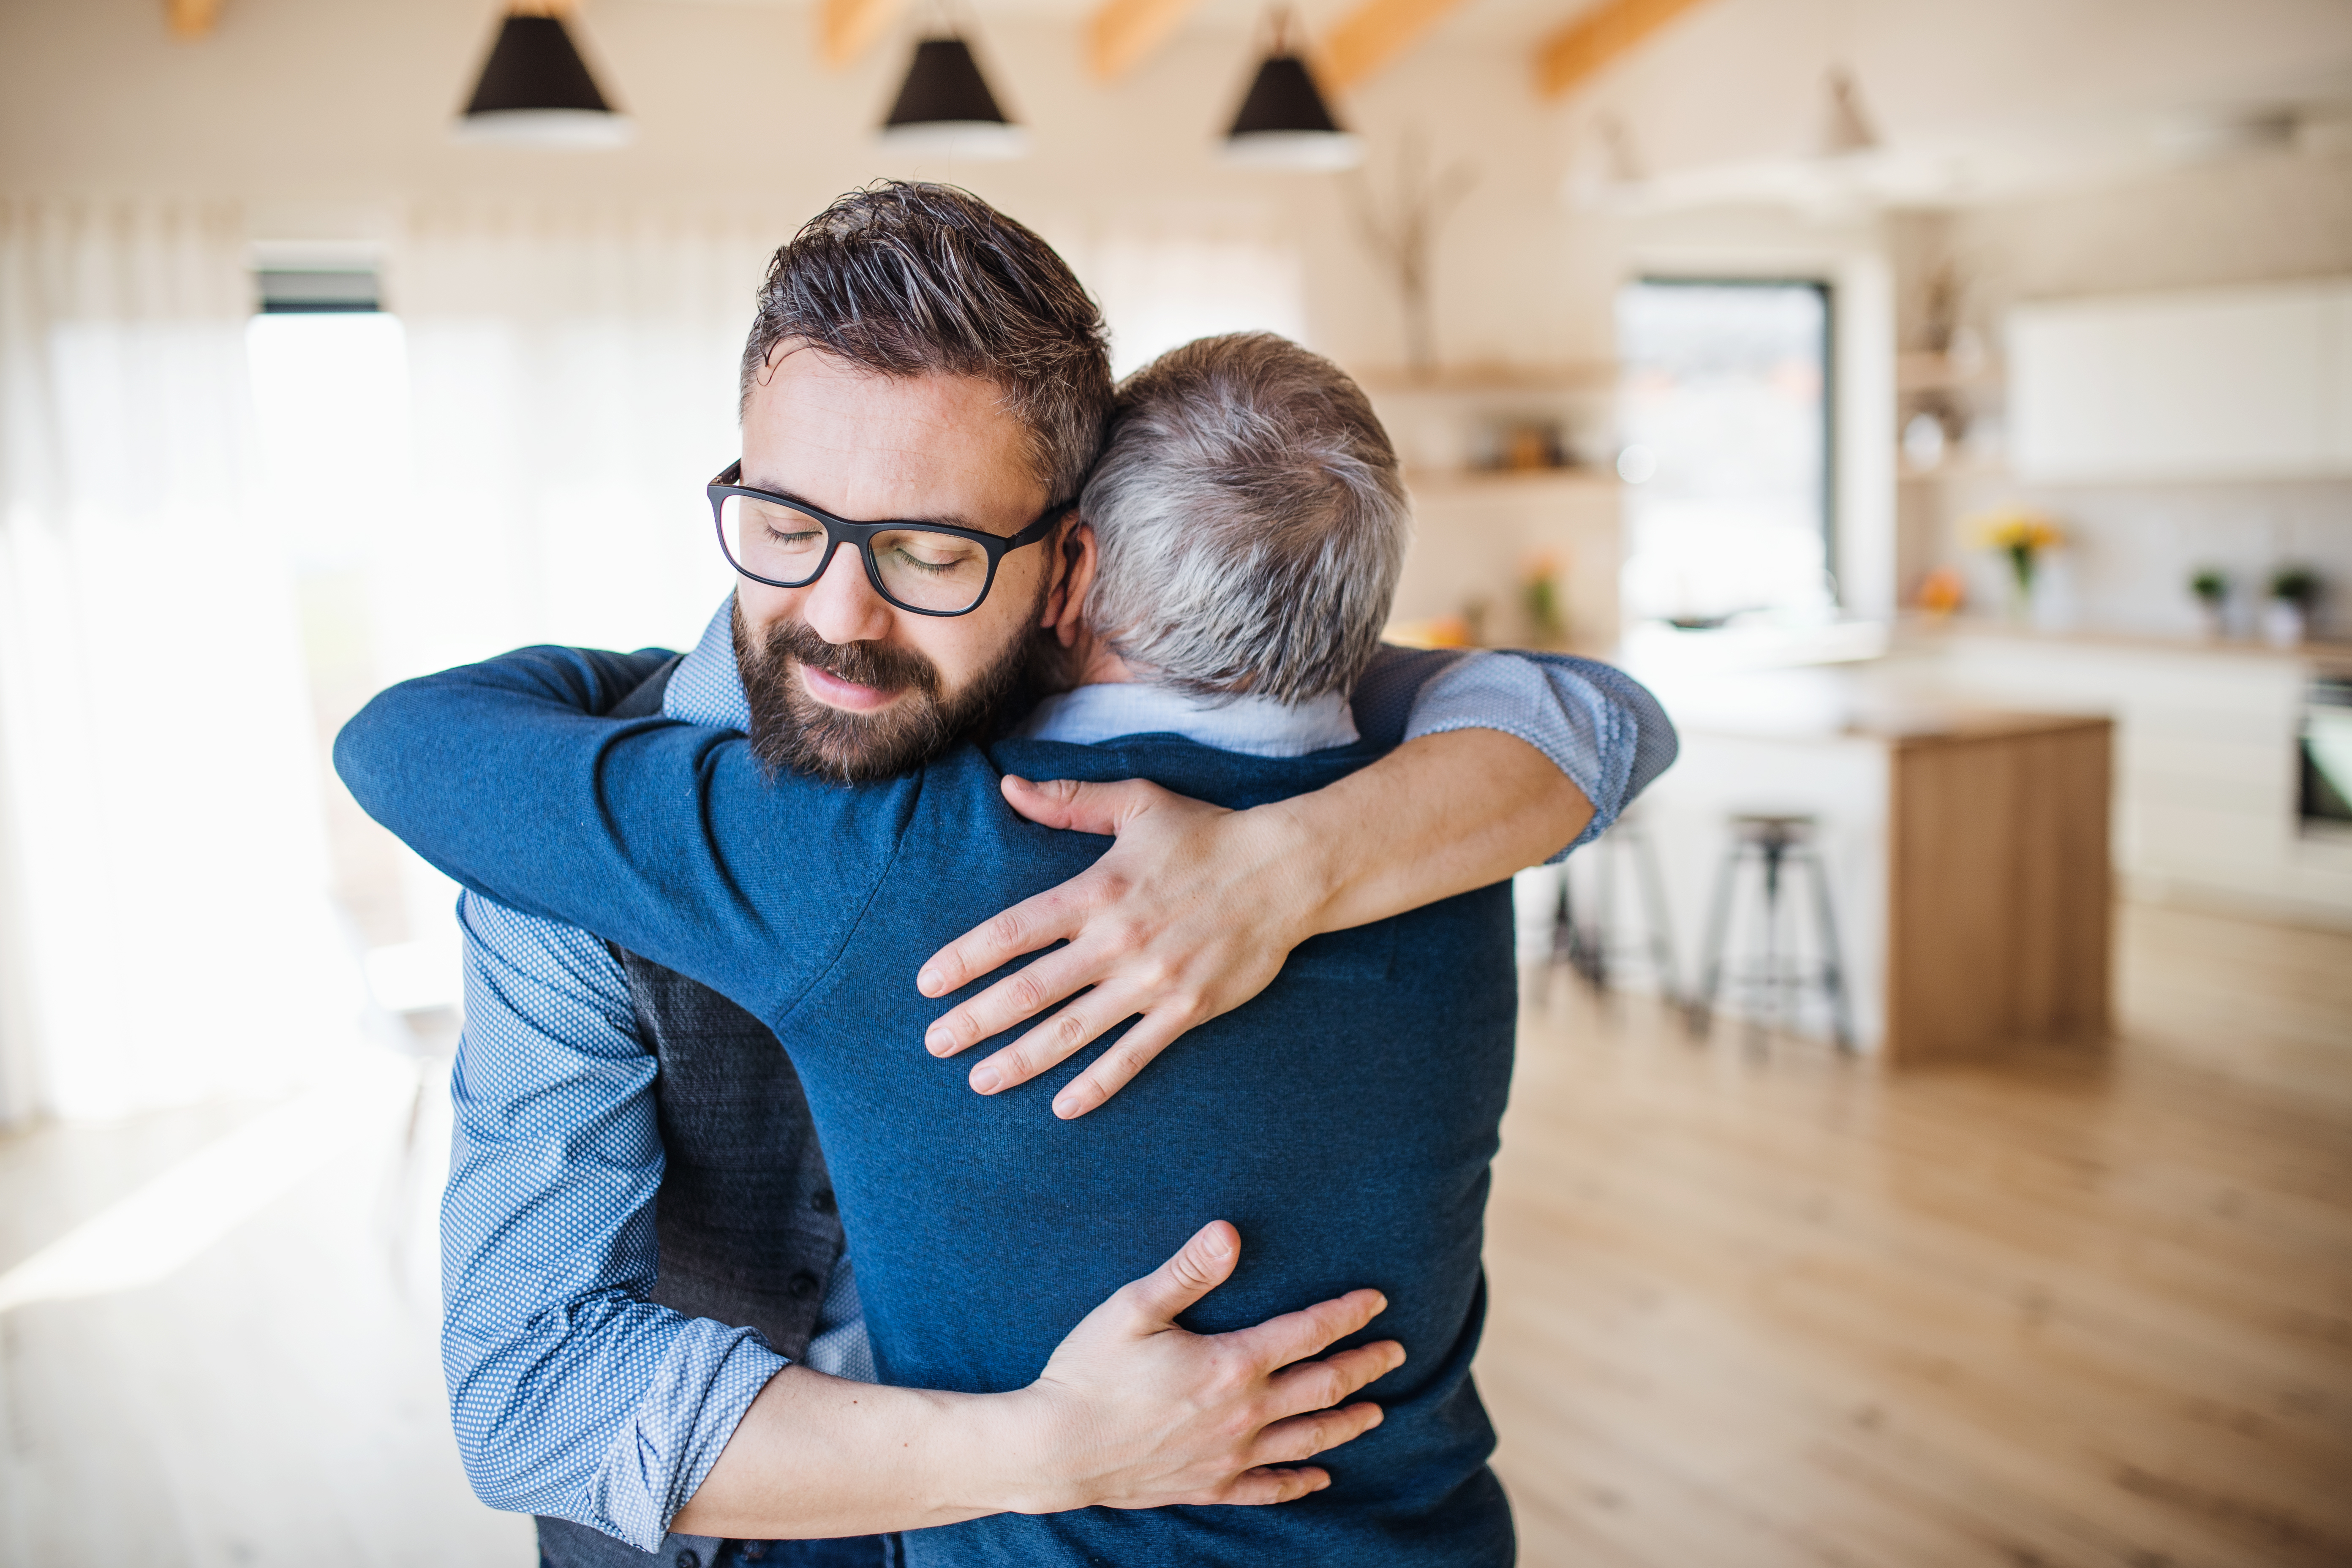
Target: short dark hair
pixel 905 278
pixel 1251 519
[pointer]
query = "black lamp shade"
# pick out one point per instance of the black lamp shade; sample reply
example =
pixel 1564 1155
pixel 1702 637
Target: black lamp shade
pixel 534 66
pixel 1284 123
pixel 945 110
pixel 944 87
pixel 536 90
pixel 1284 99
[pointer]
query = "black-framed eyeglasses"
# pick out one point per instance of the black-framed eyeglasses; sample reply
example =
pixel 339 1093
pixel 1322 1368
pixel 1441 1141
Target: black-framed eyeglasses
pixel 928 568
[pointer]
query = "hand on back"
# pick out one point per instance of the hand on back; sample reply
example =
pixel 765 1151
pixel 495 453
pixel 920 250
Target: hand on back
pixel 1190 914
pixel 1134 1412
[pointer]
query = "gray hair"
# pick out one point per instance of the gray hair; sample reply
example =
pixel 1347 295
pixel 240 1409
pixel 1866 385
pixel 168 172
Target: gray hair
pixel 905 279
pixel 1251 522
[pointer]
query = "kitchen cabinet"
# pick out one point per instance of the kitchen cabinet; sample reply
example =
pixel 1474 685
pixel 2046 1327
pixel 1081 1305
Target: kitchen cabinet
pixel 2236 383
pixel 2207 759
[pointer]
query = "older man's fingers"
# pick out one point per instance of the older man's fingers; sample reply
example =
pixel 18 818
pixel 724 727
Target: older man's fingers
pixel 1127 1056
pixel 1014 999
pixel 1052 916
pixel 1053 1041
pixel 1075 807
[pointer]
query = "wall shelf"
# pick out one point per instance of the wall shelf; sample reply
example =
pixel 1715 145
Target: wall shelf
pixel 1441 481
pixel 1492 379
pixel 1922 371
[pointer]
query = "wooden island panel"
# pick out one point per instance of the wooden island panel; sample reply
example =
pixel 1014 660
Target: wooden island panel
pixel 1998 889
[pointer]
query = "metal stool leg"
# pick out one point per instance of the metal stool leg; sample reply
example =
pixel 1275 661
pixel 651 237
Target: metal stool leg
pixel 1710 963
pixel 1776 989
pixel 1604 915
pixel 1653 911
pixel 1563 924
pixel 1833 970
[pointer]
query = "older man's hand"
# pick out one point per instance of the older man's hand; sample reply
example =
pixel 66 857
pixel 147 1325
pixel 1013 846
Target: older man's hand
pixel 1187 916
pixel 1195 909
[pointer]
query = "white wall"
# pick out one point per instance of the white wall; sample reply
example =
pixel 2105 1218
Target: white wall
pixel 332 116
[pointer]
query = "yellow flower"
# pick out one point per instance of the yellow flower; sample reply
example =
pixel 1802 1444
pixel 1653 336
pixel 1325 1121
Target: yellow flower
pixel 2015 530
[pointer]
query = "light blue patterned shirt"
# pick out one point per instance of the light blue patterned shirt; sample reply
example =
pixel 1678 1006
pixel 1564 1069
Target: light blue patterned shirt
pixel 574 1396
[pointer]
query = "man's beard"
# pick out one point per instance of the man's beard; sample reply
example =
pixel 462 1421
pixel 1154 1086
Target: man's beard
pixel 791 729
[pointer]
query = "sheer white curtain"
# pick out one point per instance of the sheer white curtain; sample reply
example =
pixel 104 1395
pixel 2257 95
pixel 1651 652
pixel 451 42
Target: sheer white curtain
pixel 164 931
pixel 571 386
pixel 573 382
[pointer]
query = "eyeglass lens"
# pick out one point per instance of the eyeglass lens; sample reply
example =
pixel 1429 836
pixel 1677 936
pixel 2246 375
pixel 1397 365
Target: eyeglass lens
pixel 919 569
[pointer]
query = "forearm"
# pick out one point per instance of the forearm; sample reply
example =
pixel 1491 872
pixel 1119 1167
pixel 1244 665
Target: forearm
pixel 817 1457
pixel 1438 817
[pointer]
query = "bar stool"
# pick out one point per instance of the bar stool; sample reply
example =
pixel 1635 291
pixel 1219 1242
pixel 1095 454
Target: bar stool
pixel 1594 949
pixel 1777 844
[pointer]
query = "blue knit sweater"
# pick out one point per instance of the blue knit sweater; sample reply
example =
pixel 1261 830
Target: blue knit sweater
pixel 1343 1120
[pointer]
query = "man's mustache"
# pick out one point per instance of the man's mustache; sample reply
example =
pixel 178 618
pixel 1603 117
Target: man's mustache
pixel 878 665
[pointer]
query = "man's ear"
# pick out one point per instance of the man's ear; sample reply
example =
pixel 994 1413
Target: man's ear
pixel 1066 602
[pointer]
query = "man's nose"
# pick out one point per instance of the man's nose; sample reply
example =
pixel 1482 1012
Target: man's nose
pixel 842 606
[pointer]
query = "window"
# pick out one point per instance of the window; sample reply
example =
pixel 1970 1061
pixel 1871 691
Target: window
pixel 1725 417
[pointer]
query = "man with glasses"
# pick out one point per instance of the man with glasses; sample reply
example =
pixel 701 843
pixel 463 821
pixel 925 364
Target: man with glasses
pixel 922 362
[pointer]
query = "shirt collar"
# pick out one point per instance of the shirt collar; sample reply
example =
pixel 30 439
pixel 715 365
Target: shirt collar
pixel 708 690
pixel 1254 726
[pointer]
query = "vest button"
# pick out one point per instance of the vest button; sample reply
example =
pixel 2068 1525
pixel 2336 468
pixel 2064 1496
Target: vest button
pixel 804 1285
pixel 689 1558
pixel 822 1200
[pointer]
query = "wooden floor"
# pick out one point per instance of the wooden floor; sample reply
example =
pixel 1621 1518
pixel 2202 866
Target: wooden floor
pixel 1762 1309
pixel 1749 1310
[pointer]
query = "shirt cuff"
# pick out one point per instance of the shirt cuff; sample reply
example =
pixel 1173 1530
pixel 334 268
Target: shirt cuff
pixel 1555 703
pixel 707 1379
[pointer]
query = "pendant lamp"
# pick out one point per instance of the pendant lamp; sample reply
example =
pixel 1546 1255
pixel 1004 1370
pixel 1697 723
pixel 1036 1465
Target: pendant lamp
pixel 1845 129
pixel 945 110
pixel 1284 122
pixel 535 90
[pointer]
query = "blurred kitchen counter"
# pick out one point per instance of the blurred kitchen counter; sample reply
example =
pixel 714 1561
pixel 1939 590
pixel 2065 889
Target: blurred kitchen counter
pixel 1952 769
pixel 1967 847
pixel 1930 634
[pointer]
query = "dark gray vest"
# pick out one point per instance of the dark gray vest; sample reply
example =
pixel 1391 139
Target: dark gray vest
pixel 746 1218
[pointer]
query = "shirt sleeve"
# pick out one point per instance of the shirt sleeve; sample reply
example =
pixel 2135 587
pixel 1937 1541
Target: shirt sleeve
pixel 572 1394
pixel 1597 725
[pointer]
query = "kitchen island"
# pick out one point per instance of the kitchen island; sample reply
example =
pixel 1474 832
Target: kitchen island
pixel 1966 851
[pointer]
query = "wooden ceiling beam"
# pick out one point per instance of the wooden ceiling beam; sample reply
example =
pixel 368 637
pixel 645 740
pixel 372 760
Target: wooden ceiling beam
pixel 847 29
pixel 191 19
pixel 1122 33
pixel 1375 33
pixel 1588 45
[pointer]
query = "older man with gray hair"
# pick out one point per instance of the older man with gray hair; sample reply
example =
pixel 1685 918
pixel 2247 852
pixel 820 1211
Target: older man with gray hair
pixel 1246 479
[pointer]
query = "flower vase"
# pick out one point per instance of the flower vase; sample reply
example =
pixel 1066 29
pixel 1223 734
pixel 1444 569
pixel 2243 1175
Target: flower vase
pixel 2021 587
pixel 2282 624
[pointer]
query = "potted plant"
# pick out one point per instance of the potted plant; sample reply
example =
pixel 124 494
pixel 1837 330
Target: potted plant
pixel 2286 620
pixel 2211 585
pixel 1539 597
